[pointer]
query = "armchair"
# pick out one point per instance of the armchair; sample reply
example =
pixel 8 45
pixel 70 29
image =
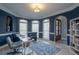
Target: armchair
pixel 14 45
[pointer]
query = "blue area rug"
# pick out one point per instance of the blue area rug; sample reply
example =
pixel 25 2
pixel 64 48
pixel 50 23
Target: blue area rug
pixel 44 49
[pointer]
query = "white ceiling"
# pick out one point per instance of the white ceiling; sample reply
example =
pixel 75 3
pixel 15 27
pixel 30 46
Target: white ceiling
pixel 24 10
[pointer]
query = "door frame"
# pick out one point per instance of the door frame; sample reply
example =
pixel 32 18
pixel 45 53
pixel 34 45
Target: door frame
pixel 61 25
pixel 59 21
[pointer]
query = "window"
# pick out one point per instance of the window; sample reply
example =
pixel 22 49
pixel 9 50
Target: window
pixel 23 27
pixel 46 29
pixel 35 27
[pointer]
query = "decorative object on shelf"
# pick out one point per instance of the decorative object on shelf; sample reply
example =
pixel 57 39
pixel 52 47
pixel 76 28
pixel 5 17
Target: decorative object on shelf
pixel 8 23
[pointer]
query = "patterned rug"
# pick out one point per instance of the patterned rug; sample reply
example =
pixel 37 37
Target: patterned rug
pixel 44 49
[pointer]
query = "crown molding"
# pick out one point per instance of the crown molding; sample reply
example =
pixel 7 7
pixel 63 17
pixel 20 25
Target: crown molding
pixel 63 11
pixel 56 13
pixel 6 10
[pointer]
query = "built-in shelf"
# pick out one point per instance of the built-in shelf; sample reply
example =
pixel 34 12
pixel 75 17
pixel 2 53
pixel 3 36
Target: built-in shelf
pixel 75 49
pixel 74 31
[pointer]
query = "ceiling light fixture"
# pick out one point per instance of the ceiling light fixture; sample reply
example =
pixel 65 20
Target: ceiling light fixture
pixel 36 8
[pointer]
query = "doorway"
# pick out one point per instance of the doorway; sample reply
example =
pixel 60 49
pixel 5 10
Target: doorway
pixel 58 29
pixel 61 29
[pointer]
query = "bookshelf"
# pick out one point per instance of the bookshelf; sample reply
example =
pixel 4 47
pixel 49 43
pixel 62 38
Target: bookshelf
pixel 74 31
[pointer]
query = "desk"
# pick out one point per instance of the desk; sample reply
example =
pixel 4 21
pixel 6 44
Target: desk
pixel 26 45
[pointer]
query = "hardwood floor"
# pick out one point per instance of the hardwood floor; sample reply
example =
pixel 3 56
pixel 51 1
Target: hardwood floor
pixel 65 50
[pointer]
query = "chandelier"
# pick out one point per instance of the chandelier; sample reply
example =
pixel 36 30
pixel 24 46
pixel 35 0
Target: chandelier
pixel 36 8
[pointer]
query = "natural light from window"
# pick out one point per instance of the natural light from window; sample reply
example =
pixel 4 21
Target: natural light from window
pixel 23 27
pixel 35 27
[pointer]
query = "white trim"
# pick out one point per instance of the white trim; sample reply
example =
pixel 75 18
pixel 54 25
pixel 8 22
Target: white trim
pixel 55 25
pixel 52 33
pixel 69 35
pixel 40 32
pixel 8 33
pixel 74 19
pixel 6 10
pixel 65 10
pixel 29 32
pixel 58 12
pixel 55 29
pixel 70 28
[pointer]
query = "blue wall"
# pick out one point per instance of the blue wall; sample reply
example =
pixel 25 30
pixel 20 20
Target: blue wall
pixel 52 33
pixel 40 29
pixel 29 26
pixel 69 15
pixel 3 16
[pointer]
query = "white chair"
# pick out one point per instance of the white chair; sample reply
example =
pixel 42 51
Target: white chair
pixel 14 45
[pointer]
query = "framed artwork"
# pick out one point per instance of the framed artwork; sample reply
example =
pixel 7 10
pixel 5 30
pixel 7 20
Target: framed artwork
pixel 8 23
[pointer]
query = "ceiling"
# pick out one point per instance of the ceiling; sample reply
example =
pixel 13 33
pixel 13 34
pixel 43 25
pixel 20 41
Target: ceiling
pixel 24 10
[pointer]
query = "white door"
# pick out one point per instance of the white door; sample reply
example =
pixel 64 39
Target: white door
pixel 46 29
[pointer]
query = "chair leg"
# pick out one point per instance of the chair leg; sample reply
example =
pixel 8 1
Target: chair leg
pixel 15 50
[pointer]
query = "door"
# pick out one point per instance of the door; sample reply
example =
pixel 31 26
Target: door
pixel 58 29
